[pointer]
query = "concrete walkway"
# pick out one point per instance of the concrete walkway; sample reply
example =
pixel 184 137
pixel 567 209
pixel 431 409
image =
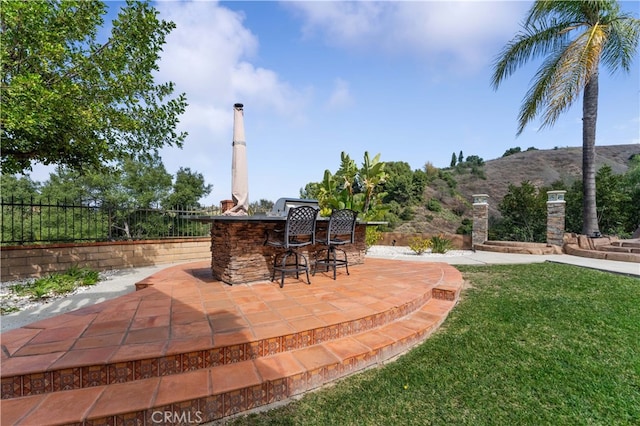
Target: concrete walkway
pixel 117 284
pixel 123 281
pixel 467 257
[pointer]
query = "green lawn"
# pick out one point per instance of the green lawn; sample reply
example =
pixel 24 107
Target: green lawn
pixel 540 344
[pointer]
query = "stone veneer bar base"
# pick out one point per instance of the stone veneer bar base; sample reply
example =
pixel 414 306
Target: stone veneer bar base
pixel 239 256
pixel 238 348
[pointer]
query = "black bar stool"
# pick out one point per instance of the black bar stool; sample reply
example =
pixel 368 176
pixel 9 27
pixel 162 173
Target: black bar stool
pixel 299 231
pixel 341 230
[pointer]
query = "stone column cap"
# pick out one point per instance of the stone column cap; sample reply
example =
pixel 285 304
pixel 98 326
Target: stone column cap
pixel 556 196
pixel 480 198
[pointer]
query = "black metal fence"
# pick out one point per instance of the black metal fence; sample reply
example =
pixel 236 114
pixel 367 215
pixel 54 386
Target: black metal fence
pixel 36 221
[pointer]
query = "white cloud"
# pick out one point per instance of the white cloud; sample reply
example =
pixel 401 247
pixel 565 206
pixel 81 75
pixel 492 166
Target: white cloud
pixel 460 35
pixel 343 22
pixel 209 57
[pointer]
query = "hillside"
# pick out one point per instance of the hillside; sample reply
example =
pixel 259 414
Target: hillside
pixel 540 167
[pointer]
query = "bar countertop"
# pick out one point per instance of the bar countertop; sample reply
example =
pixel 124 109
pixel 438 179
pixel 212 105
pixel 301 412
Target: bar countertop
pixel 260 218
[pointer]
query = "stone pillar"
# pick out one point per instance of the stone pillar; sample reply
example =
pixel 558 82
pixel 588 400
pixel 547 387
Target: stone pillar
pixel 480 220
pixel 555 217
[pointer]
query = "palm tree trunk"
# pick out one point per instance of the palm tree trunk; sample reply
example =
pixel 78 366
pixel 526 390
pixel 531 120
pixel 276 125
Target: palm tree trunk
pixel 589 117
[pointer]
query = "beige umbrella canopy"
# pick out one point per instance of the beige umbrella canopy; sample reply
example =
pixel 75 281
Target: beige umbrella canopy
pixel 239 179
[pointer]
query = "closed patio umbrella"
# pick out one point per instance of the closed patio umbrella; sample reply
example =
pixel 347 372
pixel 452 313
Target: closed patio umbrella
pixel 239 179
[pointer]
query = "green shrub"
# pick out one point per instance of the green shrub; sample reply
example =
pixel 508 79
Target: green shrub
pixel 4 310
pixel 434 205
pixel 439 244
pixel 372 236
pixel 407 214
pixel 466 228
pixel 39 292
pixel 419 245
pixel 57 284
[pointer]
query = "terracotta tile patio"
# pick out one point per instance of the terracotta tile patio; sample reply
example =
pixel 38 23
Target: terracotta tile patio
pixel 185 343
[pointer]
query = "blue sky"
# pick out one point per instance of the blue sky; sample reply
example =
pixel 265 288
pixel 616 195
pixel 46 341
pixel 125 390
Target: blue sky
pixel 408 80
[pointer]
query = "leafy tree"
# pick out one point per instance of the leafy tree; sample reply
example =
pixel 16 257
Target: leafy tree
pixel 72 100
pixel 454 159
pixel 17 194
pixel 612 199
pixel 512 151
pixel 130 183
pixel 460 157
pixel 147 182
pixel 524 214
pixel 419 184
pixel 632 183
pixel 399 184
pixel 618 200
pixel 474 160
pixel 448 178
pixel 188 188
pixel 573 207
pixel 66 185
pixel 121 203
pixel 310 191
pixel 431 172
pixel 19 188
pixel 576 37
pixel 262 206
pixel 121 193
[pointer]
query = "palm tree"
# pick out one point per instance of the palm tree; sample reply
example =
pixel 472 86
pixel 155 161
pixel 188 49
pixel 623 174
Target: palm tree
pixel 575 37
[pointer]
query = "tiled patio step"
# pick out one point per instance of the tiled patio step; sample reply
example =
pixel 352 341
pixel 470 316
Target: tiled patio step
pixel 217 392
pixel 83 370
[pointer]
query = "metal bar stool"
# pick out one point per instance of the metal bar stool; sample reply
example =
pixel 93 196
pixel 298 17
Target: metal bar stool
pixel 341 230
pixel 299 231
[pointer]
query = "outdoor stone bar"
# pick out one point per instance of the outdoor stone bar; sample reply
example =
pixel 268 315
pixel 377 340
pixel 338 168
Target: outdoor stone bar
pixel 238 253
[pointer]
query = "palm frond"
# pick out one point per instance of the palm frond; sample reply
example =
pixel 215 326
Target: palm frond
pixel 574 36
pixel 577 65
pixel 566 11
pixel 537 94
pixel 562 78
pixel 533 42
pixel 621 44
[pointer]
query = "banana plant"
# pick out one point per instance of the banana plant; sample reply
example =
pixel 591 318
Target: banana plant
pixel 370 176
pixel 351 187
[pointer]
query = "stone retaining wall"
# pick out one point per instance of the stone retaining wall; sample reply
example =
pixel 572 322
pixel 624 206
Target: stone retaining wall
pixel 34 261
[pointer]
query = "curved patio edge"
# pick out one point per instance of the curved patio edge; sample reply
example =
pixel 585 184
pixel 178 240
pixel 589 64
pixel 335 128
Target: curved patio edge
pixel 327 331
